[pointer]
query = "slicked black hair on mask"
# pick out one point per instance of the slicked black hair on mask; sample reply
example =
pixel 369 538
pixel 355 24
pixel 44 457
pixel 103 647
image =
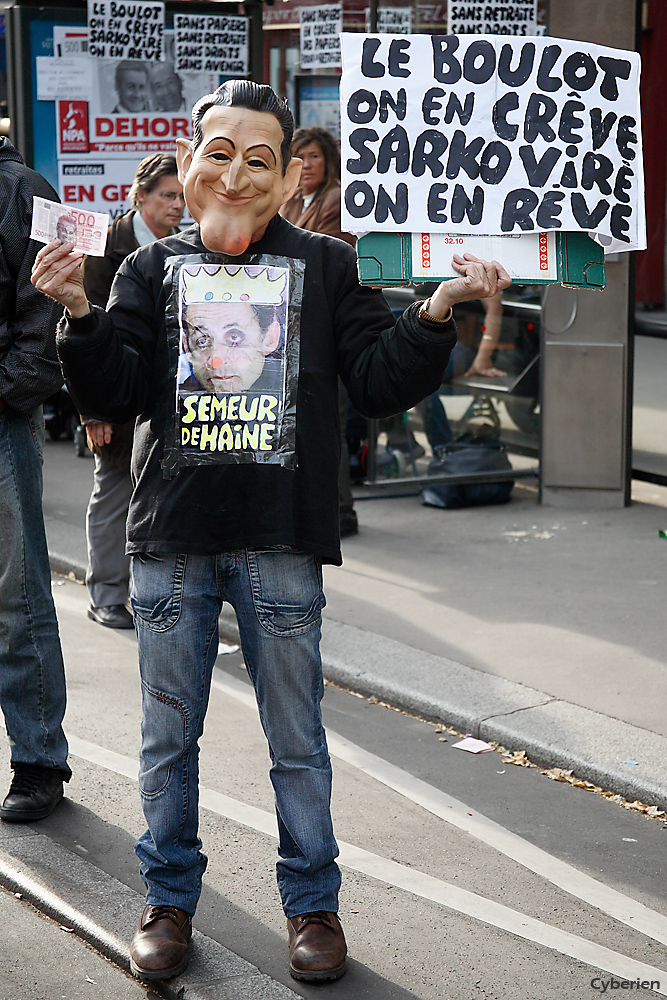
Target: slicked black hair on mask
pixel 253 97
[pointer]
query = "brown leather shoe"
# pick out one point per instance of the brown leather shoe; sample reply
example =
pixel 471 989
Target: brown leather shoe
pixel 159 948
pixel 317 946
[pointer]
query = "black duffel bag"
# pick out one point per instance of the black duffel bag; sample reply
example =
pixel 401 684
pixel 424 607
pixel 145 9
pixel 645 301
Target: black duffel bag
pixel 461 459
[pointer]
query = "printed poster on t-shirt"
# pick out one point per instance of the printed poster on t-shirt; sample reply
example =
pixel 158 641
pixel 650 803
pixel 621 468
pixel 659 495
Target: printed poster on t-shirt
pixel 236 327
pixel 498 136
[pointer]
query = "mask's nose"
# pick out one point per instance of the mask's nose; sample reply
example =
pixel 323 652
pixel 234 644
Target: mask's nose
pixel 235 176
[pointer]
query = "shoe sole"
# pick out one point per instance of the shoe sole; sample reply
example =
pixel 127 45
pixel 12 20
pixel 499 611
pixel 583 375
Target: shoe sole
pixel 13 816
pixel 317 976
pixel 153 974
pixel 106 624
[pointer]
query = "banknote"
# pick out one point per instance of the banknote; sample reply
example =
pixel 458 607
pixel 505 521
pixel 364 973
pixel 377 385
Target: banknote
pixel 87 230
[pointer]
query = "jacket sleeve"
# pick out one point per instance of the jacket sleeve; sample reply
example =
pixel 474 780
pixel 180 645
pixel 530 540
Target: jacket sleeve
pixel 387 366
pixel 29 370
pixel 107 357
pixel 98 275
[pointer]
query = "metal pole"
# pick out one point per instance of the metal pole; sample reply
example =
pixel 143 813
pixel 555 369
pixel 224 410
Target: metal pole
pixel 253 10
pixel 588 336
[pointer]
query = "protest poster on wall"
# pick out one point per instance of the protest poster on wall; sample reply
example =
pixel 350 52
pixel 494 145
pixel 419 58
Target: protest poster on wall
pixel 119 30
pixel 131 109
pixel 448 133
pixel 391 20
pixel 211 44
pixel 69 41
pixel 320 28
pixel 513 17
pixel 70 76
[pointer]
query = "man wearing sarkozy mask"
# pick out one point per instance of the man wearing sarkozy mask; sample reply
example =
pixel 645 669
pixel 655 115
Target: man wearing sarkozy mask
pixel 262 477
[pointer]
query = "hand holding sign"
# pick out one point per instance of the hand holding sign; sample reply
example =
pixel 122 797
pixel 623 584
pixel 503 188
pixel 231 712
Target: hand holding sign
pixel 57 273
pixel 480 279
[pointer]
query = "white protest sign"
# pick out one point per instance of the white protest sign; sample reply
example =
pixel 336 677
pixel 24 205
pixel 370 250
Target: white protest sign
pixel 64 78
pixel 391 20
pixel 446 133
pixel 87 230
pixel 211 43
pixel 126 30
pixel 320 31
pixel 513 17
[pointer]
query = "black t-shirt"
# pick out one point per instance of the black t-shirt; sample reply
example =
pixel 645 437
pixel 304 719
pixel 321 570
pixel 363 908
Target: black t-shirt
pixel 118 365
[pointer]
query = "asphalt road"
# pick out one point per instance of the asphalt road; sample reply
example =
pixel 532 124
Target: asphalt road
pixel 464 876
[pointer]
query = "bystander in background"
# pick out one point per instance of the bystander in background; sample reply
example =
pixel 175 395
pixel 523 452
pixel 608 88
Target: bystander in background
pixel 157 197
pixel 32 674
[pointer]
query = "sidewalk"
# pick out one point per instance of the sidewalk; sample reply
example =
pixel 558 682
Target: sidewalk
pixel 539 628
pixel 98 909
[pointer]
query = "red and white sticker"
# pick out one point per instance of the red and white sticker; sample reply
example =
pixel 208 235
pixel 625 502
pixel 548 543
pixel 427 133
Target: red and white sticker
pixel 426 251
pixel 544 251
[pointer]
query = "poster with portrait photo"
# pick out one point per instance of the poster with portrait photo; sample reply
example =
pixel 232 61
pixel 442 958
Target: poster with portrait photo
pixel 143 107
pixel 233 330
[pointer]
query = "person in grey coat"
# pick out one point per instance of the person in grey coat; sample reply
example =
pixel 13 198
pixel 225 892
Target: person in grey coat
pixel 157 197
pixel 32 675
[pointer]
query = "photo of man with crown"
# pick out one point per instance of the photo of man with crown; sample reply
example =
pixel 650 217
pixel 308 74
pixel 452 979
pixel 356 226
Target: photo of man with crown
pixel 232 320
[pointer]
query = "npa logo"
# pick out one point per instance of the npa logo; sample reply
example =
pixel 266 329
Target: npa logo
pixel 73 126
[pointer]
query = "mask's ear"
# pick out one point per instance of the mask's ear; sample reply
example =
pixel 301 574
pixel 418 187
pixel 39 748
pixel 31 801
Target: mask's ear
pixel 271 338
pixel 291 178
pixel 183 158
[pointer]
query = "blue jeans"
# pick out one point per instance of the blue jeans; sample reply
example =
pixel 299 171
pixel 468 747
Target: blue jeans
pixel 32 675
pixel 277 596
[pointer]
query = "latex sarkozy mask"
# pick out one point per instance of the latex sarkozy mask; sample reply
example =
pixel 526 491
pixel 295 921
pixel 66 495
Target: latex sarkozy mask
pixel 233 182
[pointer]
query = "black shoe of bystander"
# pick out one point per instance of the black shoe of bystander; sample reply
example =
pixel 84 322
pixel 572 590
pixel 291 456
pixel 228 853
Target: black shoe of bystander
pixel 113 616
pixel 348 524
pixel 33 794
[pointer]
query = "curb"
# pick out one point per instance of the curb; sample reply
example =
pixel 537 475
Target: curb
pixel 105 912
pixel 613 754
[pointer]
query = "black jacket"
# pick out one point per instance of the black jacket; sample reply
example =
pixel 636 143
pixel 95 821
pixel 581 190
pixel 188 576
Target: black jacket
pixel 116 366
pixel 99 272
pixel 29 369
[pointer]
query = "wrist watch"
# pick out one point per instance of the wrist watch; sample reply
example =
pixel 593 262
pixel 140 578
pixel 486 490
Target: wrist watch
pixel 425 314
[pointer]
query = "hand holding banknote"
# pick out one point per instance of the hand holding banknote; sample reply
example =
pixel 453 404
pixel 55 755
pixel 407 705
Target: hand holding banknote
pixel 69 233
pixel 57 273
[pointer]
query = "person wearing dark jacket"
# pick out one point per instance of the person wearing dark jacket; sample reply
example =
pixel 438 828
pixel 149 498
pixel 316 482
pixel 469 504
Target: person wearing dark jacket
pixel 32 675
pixel 157 197
pixel 222 519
